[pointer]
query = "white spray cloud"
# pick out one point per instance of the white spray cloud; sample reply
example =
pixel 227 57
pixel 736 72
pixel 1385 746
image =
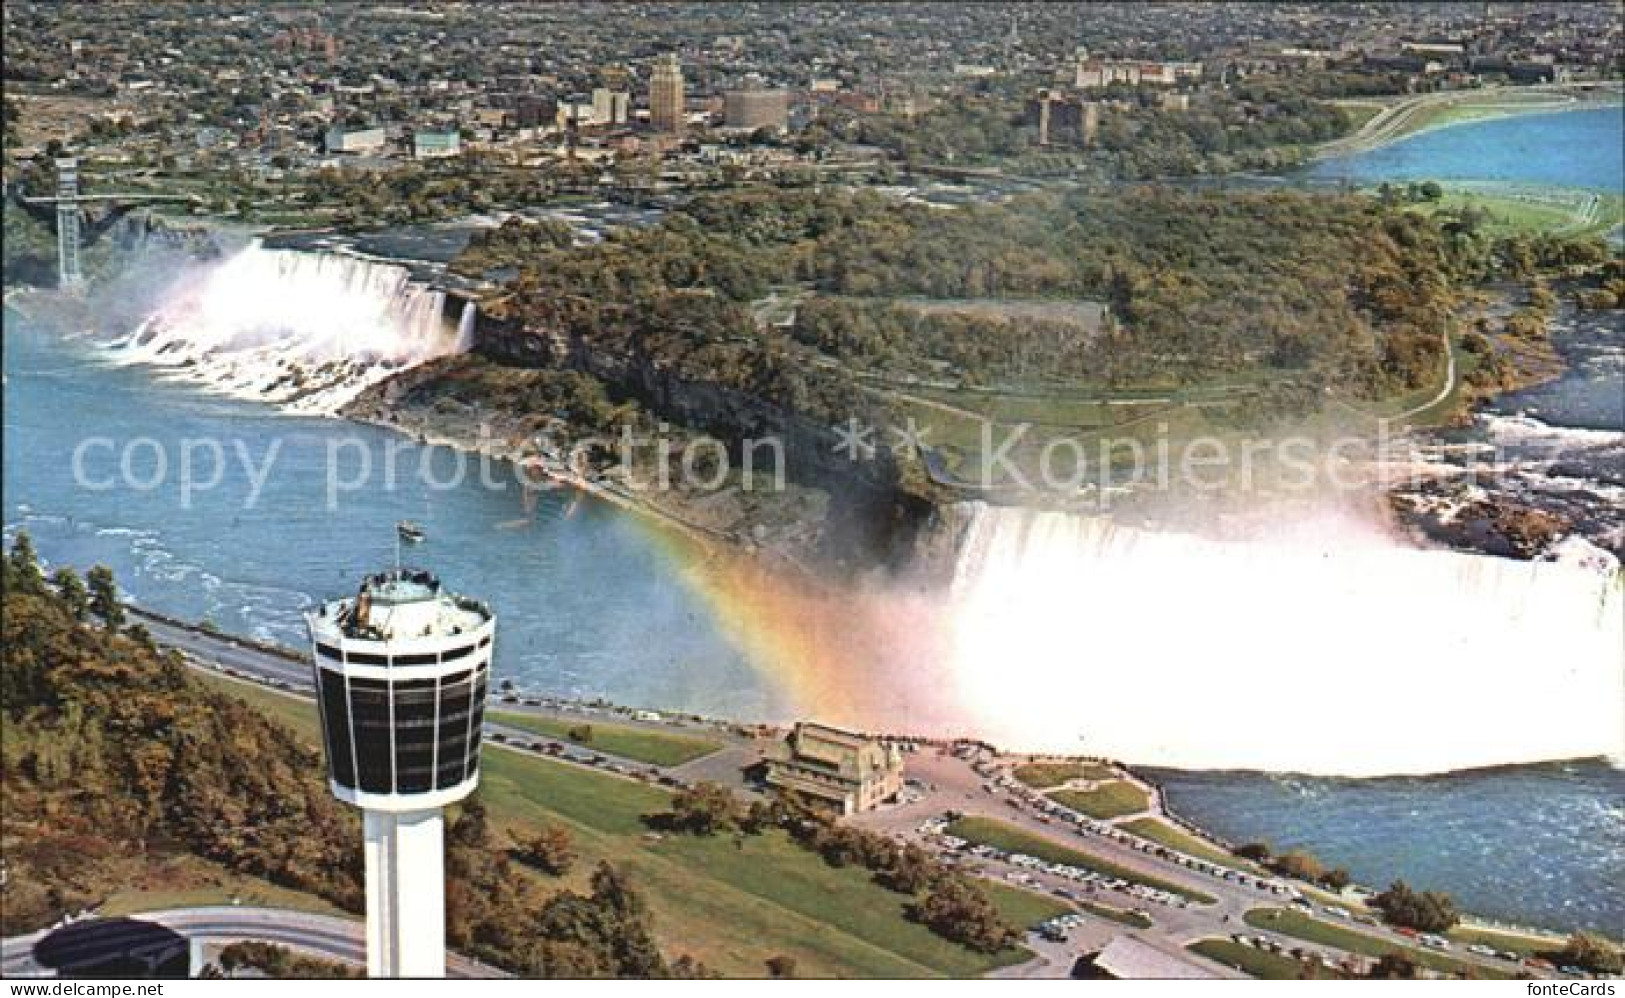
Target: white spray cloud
pixel 308 331
pixel 1334 650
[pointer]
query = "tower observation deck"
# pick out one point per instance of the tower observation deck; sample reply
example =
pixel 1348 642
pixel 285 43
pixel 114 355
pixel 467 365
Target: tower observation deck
pixel 401 672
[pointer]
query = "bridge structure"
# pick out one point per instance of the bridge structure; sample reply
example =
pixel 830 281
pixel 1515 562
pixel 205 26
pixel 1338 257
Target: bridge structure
pixel 68 201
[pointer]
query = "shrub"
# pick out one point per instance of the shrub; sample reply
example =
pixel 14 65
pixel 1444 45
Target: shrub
pixel 1425 911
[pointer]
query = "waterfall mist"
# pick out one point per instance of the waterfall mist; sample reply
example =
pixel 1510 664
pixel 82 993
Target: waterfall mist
pixel 308 331
pixel 1325 648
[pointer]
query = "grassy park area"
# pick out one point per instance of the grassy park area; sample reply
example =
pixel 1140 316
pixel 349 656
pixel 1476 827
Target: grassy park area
pixel 1043 775
pixel 1521 208
pixel 730 904
pixel 1111 799
pixel 1010 838
pixel 1122 916
pixel 1301 926
pixel 657 748
pixel 1020 907
pixel 1159 831
pixel 206 884
pixel 1258 963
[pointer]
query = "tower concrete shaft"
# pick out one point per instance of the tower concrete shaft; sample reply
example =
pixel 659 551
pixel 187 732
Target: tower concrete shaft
pixel 406 893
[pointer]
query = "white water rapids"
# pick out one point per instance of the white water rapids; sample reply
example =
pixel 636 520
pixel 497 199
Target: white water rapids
pixel 1334 651
pixel 305 330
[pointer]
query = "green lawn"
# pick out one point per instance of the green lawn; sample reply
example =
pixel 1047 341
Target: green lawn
pixel 1359 113
pixel 1512 942
pixel 190 882
pixel 525 786
pixel 1514 208
pixel 244 890
pixel 1111 799
pixel 1301 926
pixel 1010 838
pixel 657 748
pixel 296 712
pixel 1020 907
pixel 1043 775
pixel 1132 919
pixel 1024 908
pixel 1159 831
pixel 729 904
pixel 1257 963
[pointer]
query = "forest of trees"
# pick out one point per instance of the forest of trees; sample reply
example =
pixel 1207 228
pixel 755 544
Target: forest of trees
pixel 1295 295
pixel 1425 911
pixel 1324 288
pixel 945 900
pixel 113 755
pixel 1263 122
pixel 254 958
pixel 110 750
pixel 514 238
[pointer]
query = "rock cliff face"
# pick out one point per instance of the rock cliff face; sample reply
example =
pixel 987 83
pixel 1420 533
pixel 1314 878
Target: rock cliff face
pixel 872 518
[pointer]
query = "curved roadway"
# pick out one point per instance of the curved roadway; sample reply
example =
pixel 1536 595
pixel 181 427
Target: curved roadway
pixel 91 943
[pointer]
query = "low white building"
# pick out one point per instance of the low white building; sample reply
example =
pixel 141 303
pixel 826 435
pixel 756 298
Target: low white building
pixel 354 140
pixel 436 144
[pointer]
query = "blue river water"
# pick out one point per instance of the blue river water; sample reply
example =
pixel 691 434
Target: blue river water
pixel 1532 844
pixel 578 585
pixel 1561 148
pixel 1527 844
pixel 594 604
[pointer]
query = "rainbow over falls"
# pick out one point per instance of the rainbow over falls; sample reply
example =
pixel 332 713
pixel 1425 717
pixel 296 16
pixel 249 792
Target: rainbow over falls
pixel 307 331
pixel 1321 646
pixel 1325 648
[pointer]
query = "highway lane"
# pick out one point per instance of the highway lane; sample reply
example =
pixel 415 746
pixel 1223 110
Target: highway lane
pixel 95 941
pixel 220 651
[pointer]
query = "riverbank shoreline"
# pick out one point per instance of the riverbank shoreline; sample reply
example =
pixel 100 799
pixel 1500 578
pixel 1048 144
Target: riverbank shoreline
pixel 1385 131
pixel 650 700
pixel 686 723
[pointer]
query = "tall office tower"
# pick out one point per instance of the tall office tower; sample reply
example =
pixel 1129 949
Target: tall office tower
pixel 610 107
pixel 666 95
pixel 400 672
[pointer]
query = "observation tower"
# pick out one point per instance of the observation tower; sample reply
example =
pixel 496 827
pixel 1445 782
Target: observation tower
pixel 400 672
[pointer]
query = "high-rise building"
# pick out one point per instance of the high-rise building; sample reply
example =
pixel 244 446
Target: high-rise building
pixel 531 110
pixel 400 673
pixel 614 77
pixel 610 107
pixel 1063 118
pixel 755 106
pixel 666 95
